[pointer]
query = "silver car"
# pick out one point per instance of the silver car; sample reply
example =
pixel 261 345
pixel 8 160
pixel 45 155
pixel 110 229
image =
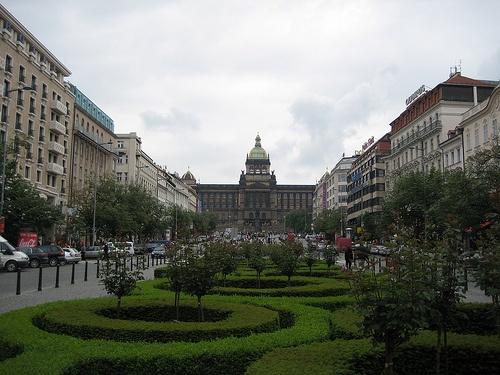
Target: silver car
pixel 72 255
pixel 93 252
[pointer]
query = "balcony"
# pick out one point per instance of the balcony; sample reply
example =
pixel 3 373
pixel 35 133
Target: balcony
pixel 57 127
pixel 58 107
pixel 56 147
pixel 55 168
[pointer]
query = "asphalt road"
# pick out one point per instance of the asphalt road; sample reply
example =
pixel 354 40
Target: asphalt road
pixel 29 285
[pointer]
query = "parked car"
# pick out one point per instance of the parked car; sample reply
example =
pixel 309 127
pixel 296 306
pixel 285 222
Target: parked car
pixel 10 258
pixel 56 254
pixel 72 255
pixel 159 252
pixel 126 247
pixel 35 255
pixel 93 252
pixel 151 245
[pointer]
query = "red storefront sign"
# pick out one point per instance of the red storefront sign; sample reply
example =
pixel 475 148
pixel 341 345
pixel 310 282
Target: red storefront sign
pixel 28 239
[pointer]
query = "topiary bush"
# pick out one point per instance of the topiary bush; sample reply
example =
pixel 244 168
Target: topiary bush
pixel 95 319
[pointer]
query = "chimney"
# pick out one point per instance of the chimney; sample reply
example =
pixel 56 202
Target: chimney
pixel 474 91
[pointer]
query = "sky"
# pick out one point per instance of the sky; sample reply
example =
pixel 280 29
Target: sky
pixel 197 80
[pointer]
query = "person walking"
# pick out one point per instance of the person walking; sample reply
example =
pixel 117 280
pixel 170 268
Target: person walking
pixel 348 257
pixel 106 251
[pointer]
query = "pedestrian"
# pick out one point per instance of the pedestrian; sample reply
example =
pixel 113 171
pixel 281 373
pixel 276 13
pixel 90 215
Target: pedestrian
pixel 348 257
pixel 106 251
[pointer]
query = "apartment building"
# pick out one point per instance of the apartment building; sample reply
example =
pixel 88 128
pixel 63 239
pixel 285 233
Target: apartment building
pixel 336 184
pixel 452 150
pixel 35 113
pixel 320 195
pixel 92 140
pixel 418 131
pixel 366 181
pixel 480 125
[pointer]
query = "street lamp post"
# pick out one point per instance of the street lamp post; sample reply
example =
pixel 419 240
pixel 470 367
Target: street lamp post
pixel 2 197
pixel 95 192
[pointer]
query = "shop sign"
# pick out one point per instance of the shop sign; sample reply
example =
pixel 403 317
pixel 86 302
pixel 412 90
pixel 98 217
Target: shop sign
pixel 27 239
pixel 415 95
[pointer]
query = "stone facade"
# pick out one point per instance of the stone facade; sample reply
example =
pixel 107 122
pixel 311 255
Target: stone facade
pixel 257 203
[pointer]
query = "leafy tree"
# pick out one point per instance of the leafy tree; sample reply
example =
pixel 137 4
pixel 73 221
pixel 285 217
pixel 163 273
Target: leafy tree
pixel 486 272
pixel 223 255
pixel 310 257
pixel 329 222
pixel 198 279
pixel 23 206
pixel 256 257
pixel 175 273
pixel 287 258
pixel 204 222
pixel 484 167
pixel 394 303
pixel 119 280
pixel 299 221
pixel 330 255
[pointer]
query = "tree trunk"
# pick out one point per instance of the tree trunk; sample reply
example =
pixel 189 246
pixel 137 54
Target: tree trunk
pixel 438 350
pixel 177 297
pixel 200 310
pixel 289 277
pixel 445 347
pixel 389 354
pixel 118 306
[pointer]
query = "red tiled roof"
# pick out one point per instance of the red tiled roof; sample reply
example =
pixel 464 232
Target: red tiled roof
pixel 458 79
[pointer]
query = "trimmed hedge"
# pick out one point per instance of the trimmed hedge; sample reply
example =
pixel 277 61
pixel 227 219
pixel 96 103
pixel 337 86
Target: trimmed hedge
pixel 312 287
pixel 48 353
pixel 8 350
pixel 82 319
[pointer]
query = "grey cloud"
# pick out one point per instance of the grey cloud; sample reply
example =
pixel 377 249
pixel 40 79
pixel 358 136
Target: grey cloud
pixel 174 120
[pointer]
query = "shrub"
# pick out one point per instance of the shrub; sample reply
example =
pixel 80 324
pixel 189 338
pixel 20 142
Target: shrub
pixel 88 320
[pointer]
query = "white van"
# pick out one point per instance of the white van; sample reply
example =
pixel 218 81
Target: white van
pixel 10 259
pixel 126 247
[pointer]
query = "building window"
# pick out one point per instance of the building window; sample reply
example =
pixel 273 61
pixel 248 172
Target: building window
pixel 467 141
pixel 44 91
pixel 8 64
pixel 458 155
pixel 38 176
pixel 432 144
pixel 452 157
pixel 446 160
pixel 26 172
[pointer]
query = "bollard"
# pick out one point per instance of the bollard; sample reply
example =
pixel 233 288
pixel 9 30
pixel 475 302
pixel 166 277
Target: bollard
pixel 148 260
pixel 57 276
pixel 131 264
pixel 143 259
pixel 97 274
pixel 73 273
pixel 86 271
pixel 136 262
pixel 18 283
pixel 40 278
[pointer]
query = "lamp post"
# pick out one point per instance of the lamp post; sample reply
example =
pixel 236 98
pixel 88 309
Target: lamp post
pixel 95 192
pixel 2 197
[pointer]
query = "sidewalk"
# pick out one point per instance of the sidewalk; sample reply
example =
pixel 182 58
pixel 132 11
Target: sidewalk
pixel 88 289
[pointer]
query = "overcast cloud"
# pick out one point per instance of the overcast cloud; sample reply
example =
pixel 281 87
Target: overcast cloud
pixel 198 79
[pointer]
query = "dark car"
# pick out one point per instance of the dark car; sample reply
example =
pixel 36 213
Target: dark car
pixel 36 256
pixel 55 253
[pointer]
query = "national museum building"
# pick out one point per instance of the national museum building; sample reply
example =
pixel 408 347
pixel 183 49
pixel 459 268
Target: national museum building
pixel 257 203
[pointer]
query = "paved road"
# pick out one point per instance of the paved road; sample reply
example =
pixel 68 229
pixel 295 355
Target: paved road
pixel 30 295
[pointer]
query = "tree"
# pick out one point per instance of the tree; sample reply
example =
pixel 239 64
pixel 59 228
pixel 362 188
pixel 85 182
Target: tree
pixel 256 257
pixel 299 221
pixel 119 280
pixel 329 222
pixel 23 206
pixel 198 279
pixel 287 256
pixel 487 268
pixel 223 255
pixel 204 222
pixel 310 257
pixel 393 303
pixel 175 273
pixel 484 167
pixel 330 255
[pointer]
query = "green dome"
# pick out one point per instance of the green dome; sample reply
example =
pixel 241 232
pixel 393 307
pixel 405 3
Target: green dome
pixel 257 152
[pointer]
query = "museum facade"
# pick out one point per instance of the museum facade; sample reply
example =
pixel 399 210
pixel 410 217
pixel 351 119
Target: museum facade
pixel 257 203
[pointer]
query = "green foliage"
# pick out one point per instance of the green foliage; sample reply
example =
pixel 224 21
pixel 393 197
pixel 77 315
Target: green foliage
pixel 50 353
pixel 86 320
pixel 122 211
pixel 256 257
pixel 23 206
pixel 118 279
pixel 329 222
pixel 299 221
pixel 287 256
pixel 487 270
pixel 224 257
